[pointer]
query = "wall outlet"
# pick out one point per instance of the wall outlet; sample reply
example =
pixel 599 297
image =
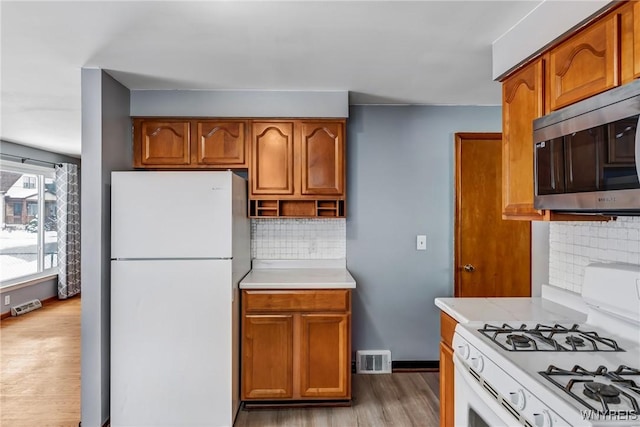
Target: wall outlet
pixel 421 242
pixel 7 299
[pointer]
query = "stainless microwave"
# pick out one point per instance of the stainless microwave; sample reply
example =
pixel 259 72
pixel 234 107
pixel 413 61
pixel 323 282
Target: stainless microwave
pixel 587 155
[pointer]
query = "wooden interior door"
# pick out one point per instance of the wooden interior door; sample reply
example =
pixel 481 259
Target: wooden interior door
pixel 492 255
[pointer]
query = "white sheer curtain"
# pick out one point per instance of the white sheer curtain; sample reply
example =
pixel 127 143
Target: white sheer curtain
pixel 68 210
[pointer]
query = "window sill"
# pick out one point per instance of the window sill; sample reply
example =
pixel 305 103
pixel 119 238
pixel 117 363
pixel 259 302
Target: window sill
pixel 23 282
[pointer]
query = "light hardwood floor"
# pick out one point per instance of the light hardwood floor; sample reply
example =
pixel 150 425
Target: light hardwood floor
pixel 40 367
pixel 390 400
pixel 40 383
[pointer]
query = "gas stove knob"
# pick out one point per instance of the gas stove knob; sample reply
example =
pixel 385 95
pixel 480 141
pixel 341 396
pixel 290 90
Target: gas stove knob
pixel 477 363
pixel 464 351
pixel 518 399
pixel 543 419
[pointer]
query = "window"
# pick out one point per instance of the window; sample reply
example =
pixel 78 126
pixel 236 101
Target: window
pixel 28 246
pixel 29 181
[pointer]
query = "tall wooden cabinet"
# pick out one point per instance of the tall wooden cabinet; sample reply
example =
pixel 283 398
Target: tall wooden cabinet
pixel 523 100
pixel 296 345
pixel 297 168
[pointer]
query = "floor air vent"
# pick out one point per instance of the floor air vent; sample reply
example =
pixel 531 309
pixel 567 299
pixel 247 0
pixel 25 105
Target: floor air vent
pixel 26 307
pixel 373 362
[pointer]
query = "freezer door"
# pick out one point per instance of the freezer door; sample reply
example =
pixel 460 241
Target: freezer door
pixel 171 343
pixel 171 214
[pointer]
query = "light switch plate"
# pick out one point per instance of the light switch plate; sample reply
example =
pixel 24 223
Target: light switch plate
pixel 421 242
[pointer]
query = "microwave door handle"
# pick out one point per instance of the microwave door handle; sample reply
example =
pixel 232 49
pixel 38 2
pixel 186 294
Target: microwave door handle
pixel 552 168
pixel 637 148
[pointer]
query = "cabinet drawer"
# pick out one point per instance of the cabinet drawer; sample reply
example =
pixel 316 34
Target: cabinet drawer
pixel 447 327
pixel 301 300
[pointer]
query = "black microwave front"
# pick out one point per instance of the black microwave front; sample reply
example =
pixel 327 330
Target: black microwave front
pixel 587 155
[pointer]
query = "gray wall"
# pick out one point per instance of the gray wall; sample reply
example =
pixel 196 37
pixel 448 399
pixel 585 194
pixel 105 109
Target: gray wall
pixel 245 103
pixel 399 184
pixel 106 146
pixel 46 288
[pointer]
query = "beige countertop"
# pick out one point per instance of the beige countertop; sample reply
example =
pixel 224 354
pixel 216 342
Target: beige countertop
pixel 554 305
pixel 294 274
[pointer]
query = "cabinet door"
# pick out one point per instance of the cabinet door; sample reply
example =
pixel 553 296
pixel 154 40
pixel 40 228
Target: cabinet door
pixel 272 158
pixel 221 143
pixel 522 101
pixel 446 386
pixel 322 158
pixel 628 59
pixel 585 64
pixel 325 360
pixel 161 143
pixel 267 350
pixel 636 39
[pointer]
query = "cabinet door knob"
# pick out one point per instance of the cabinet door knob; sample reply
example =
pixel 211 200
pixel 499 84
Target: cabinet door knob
pixel 469 268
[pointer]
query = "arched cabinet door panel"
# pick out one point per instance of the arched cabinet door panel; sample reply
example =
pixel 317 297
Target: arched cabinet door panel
pixel 161 143
pixel 272 158
pixel 322 158
pixel 221 143
pixel 585 64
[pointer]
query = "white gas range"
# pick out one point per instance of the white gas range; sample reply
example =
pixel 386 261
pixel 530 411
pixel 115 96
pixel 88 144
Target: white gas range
pixel 556 374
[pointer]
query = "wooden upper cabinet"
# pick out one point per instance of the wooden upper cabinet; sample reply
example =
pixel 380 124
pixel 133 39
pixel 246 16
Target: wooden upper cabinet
pixel 628 14
pixel 221 143
pixel 158 143
pixel 635 12
pixel 322 158
pixel 190 143
pixel 522 96
pixel 272 158
pixel 585 64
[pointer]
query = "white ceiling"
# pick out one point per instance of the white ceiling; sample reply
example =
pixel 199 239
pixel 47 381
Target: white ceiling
pixel 382 52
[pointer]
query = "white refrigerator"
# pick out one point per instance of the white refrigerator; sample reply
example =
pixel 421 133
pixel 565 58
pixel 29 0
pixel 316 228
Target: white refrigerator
pixel 180 244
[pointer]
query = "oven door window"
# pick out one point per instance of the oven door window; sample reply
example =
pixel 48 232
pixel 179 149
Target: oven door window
pixel 619 168
pixel 475 420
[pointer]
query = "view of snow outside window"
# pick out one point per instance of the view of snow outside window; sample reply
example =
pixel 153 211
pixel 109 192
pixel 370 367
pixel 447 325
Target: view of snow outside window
pixel 24 198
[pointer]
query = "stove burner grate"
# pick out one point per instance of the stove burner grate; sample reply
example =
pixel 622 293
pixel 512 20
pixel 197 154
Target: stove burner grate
pixel 605 394
pixel 527 339
pixel 576 341
pixel 518 340
pixel 601 392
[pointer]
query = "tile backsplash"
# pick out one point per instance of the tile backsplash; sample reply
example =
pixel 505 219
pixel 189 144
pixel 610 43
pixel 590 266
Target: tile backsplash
pixel 298 238
pixel 573 245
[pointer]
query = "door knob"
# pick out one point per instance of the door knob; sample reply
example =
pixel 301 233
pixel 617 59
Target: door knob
pixel 469 268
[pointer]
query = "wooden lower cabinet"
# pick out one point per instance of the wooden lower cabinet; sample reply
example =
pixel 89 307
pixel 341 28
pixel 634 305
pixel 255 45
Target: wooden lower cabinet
pixel 447 408
pixel 324 355
pixel 268 356
pixel 296 345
